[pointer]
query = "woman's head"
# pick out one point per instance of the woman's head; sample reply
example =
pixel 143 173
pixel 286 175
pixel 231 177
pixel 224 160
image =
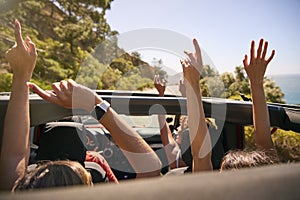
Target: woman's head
pixel 54 174
pixel 243 159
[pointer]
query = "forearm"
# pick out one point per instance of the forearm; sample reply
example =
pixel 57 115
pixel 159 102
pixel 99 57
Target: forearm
pixel 261 121
pixel 141 157
pixel 165 132
pixel 199 135
pixel 15 142
pixel 171 147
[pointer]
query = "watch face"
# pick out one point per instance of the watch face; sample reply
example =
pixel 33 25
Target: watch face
pixel 100 110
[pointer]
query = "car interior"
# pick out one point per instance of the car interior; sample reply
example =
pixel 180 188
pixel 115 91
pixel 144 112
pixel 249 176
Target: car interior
pixel 140 111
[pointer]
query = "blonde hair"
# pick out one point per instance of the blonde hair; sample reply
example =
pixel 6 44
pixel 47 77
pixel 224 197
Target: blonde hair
pixel 54 174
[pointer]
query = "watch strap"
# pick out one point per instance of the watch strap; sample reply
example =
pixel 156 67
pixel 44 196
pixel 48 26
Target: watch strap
pixel 100 110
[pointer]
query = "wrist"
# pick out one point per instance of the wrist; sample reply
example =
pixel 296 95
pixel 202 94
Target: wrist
pixel 193 82
pixel 21 77
pixel 256 84
pixel 193 87
pixel 100 109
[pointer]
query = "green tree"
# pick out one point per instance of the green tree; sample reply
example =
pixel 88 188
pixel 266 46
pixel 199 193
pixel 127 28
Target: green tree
pixel 227 79
pixel 110 78
pixel 5 82
pixel 64 32
pixel 134 81
pixel 204 87
pixel 136 54
pixel 239 74
pixel 241 85
pixel 273 92
pixel 208 71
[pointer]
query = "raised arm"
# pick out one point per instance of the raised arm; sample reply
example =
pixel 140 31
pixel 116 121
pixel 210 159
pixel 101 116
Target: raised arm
pixel 183 125
pixel 15 142
pixel 171 147
pixel 256 70
pixel 199 135
pixel 69 94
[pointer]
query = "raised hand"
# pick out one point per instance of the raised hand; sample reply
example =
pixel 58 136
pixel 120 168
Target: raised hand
pixel 22 56
pixel 192 66
pixel 199 135
pixel 258 63
pixel 14 158
pixel 182 89
pixel 69 94
pixel 256 70
pixel 160 87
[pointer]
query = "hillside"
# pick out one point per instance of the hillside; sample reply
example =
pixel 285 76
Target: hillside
pixel 70 35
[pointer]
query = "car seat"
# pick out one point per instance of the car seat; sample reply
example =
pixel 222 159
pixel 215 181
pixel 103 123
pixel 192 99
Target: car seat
pixel 66 140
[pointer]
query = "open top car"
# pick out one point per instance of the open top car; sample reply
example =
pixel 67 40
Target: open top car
pixel 140 111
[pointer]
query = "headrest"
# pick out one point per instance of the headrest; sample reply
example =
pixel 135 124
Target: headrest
pixel 62 140
pixel 97 172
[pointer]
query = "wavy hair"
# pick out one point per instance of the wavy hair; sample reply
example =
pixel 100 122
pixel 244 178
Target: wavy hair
pixel 53 174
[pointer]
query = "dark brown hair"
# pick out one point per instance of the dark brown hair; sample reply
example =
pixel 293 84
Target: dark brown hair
pixel 54 174
pixel 243 159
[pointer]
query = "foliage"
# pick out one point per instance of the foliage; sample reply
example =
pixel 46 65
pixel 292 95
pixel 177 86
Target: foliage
pixel 74 41
pixel 228 85
pixel 212 86
pixel 273 92
pixel 133 81
pixel 287 144
pixel 5 82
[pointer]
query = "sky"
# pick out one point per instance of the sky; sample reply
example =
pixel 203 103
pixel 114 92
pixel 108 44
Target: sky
pixel 223 28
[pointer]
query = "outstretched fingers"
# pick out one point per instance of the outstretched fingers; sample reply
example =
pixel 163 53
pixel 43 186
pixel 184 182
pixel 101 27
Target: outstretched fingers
pixel 265 50
pixel 259 49
pixel 56 88
pixel 265 53
pixel 252 51
pixel 271 56
pixel 71 84
pixel 47 95
pixel 190 56
pixel 195 58
pixel 245 61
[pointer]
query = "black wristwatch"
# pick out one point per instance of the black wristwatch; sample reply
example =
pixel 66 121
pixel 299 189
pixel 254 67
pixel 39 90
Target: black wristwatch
pixel 100 110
